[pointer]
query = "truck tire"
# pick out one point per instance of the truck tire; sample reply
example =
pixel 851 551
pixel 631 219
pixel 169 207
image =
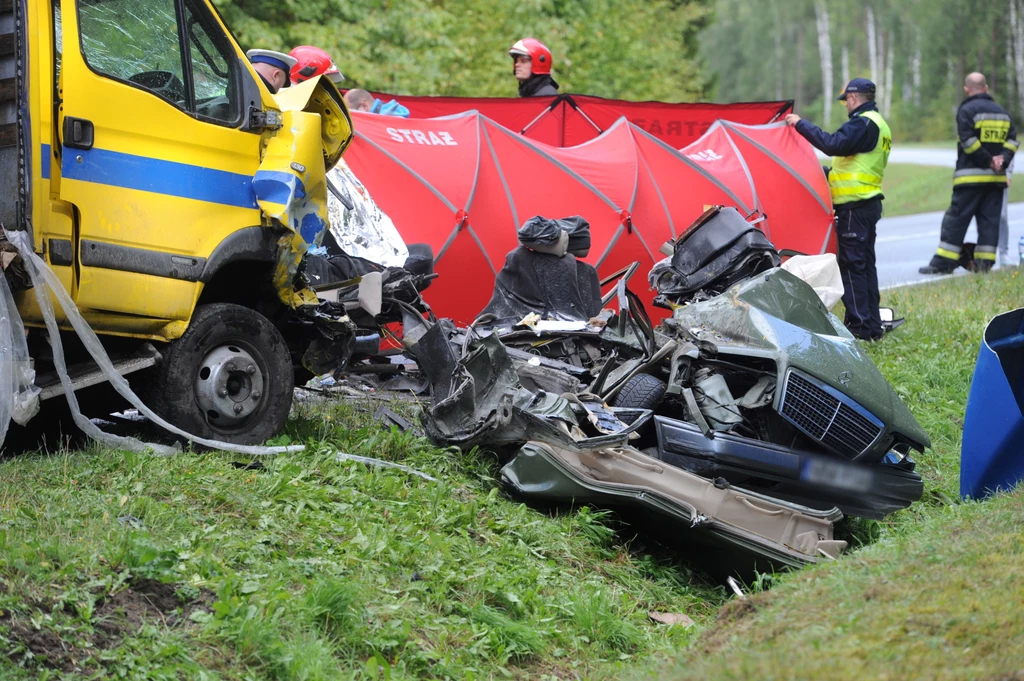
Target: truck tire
pixel 643 391
pixel 228 378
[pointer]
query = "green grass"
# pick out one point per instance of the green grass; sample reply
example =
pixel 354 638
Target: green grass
pixel 938 595
pixel 920 189
pixel 116 565
pixel 942 602
pixel 930 359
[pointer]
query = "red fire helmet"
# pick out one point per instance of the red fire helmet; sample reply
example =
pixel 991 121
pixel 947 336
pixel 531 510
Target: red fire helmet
pixel 539 54
pixel 311 62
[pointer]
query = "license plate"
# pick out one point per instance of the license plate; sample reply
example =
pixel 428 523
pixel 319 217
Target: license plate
pixel 837 475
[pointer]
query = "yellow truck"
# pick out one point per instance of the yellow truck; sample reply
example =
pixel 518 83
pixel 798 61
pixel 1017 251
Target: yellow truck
pixel 175 198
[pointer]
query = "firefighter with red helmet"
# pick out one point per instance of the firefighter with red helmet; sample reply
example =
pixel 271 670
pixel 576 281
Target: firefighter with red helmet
pixel 531 65
pixel 311 62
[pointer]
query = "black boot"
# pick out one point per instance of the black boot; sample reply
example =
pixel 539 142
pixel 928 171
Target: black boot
pixel 939 265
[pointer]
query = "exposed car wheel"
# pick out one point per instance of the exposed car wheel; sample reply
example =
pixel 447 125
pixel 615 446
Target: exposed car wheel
pixel 643 391
pixel 229 377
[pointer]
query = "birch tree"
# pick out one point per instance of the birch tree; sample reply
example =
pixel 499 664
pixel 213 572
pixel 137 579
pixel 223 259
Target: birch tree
pixel 890 57
pixel 846 63
pixel 872 45
pixel 916 69
pixel 1018 50
pixel 1011 78
pixel 825 54
pixel 778 49
pixel 879 75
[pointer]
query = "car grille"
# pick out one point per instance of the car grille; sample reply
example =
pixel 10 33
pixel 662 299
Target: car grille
pixel 830 417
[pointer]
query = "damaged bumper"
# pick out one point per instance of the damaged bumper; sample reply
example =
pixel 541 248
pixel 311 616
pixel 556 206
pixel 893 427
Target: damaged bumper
pixel 784 533
pixel 804 477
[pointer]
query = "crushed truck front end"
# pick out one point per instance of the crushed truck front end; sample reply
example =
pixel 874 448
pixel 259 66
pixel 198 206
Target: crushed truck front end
pixel 157 176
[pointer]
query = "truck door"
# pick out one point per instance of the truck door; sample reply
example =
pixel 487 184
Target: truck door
pixel 155 155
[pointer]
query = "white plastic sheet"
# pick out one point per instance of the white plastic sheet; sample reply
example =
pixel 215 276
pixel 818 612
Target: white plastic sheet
pixel 821 272
pixel 365 231
pixel 19 396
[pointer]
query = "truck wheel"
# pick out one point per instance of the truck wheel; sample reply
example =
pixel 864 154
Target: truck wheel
pixel 643 391
pixel 229 377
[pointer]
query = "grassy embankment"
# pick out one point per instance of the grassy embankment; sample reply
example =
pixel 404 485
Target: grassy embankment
pixel 115 565
pixel 940 594
pixel 119 565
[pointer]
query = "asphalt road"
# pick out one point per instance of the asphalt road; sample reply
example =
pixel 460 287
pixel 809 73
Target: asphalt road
pixel 945 158
pixel 906 243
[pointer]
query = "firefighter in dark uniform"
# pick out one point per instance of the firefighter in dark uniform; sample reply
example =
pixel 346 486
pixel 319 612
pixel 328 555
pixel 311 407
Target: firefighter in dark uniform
pixel 860 150
pixel 988 142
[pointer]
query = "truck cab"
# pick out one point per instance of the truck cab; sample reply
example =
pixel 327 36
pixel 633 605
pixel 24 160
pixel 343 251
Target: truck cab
pixel 173 195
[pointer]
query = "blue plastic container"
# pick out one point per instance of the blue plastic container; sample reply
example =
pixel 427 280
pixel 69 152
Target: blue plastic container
pixel 992 453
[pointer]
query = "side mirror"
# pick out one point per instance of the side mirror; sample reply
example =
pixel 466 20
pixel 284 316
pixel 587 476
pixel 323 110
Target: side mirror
pixel 889 319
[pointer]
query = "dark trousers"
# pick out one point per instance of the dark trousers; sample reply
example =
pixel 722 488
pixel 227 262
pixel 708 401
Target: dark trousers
pixel 856 231
pixel 984 202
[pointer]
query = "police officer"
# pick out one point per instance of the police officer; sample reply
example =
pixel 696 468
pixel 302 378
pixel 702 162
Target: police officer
pixel 272 67
pixel 531 65
pixel 988 142
pixel 860 150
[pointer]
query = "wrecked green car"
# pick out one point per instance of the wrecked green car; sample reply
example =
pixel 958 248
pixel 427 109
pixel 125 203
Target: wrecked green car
pixel 749 412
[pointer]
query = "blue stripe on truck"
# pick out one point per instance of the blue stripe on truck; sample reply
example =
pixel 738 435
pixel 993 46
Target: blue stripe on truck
pixel 117 169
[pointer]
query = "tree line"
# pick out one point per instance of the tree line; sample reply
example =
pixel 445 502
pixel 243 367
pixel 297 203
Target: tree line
pixel 916 51
pixel 631 49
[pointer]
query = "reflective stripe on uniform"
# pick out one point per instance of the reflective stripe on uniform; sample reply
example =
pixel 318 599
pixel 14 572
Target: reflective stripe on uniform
pixel 1012 145
pixel 865 178
pixel 978 117
pixel 984 249
pixel 960 172
pixel 850 191
pixel 978 173
pixel 979 179
pixel 971 145
pixel 952 248
pixel 947 254
pixel 999 125
pixel 984 255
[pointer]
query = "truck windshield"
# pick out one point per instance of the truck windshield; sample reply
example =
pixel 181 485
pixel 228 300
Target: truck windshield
pixel 139 42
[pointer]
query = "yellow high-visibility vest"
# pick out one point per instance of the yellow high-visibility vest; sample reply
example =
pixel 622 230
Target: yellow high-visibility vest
pixel 858 177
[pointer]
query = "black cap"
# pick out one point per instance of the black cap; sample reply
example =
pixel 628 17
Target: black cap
pixel 860 85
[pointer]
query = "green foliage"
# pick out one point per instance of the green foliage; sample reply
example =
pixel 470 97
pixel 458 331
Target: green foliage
pixel 768 49
pixel 598 618
pixel 632 49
